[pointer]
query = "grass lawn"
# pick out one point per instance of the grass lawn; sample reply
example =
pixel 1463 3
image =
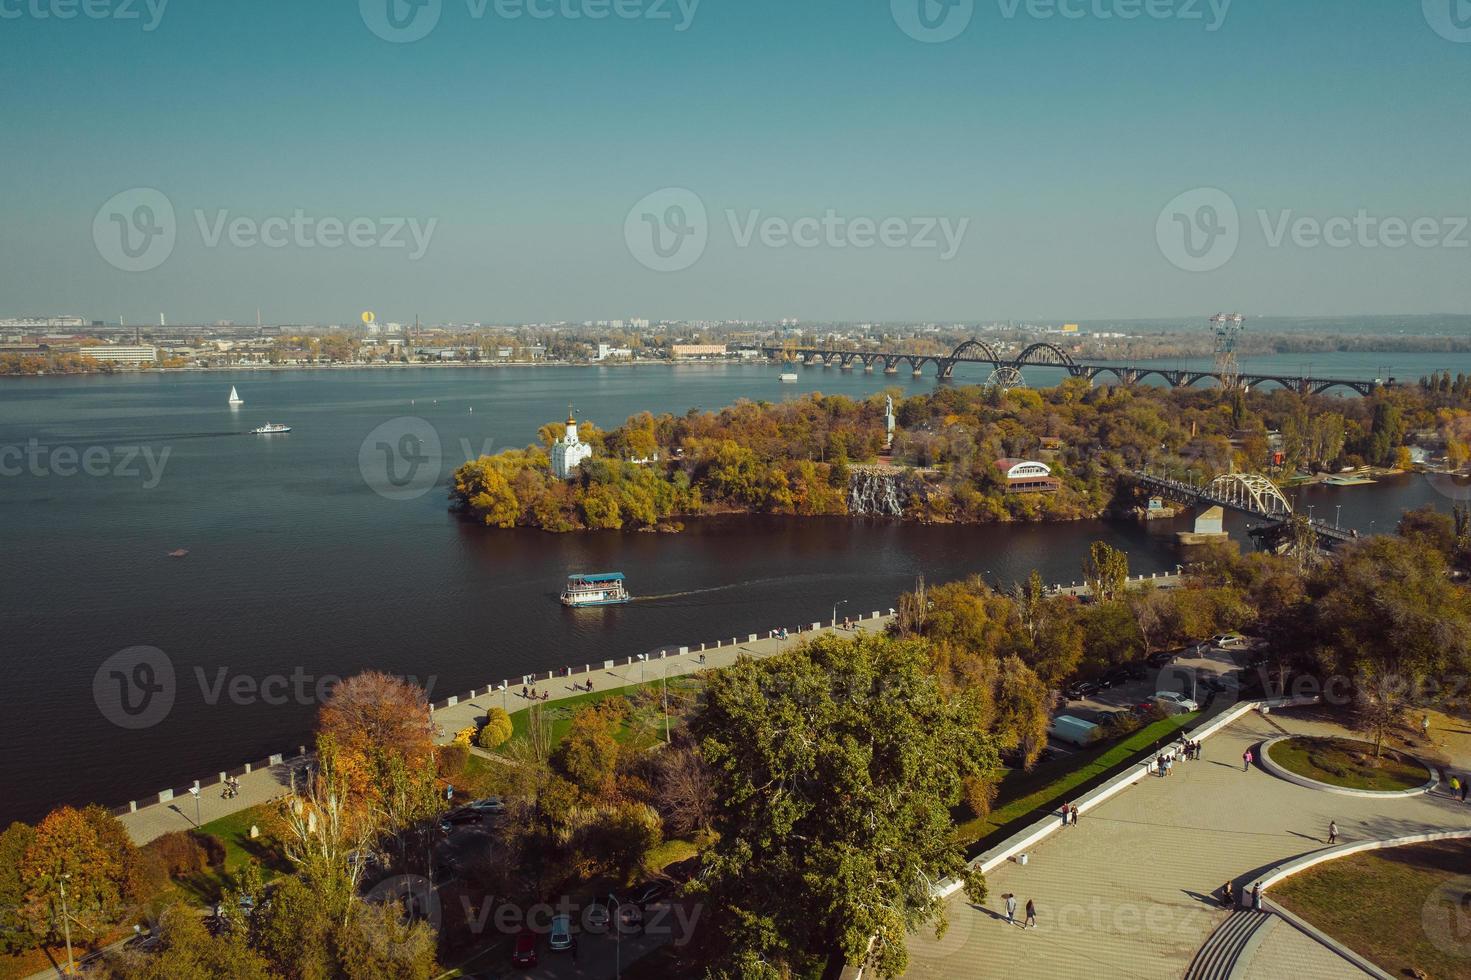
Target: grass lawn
pixel 234 832
pixel 1348 763
pixel 1049 784
pixel 647 718
pixel 1394 906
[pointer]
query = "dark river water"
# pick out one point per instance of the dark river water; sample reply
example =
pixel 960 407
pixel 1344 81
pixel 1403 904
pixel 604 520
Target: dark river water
pixel 306 559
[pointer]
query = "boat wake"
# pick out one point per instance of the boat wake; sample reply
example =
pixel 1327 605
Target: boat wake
pixel 714 588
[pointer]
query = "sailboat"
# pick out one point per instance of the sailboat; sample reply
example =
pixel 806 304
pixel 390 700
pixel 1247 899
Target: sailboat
pixel 235 398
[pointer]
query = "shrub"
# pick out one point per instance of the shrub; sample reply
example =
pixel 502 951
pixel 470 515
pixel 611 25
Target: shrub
pixel 188 852
pixel 465 736
pixel 453 759
pixel 497 730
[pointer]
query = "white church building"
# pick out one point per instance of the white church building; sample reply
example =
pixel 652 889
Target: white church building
pixel 569 451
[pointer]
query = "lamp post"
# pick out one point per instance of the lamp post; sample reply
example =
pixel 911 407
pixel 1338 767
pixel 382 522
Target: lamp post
pixel 617 935
pixel 1337 513
pixel 840 602
pixel 66 927
pixel 194 792
pixel 505 698
pixel 643 663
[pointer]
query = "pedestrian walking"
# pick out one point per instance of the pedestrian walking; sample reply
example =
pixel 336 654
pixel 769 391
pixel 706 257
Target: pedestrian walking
pixel 1226 900
pixel 1031 922
pixel 1455 787
pixel 1074 814
pixel 1065 808
pixel 1246 761
pixel 1256 896
pixel 1332 832
pixel 524 689
pixel 1010 908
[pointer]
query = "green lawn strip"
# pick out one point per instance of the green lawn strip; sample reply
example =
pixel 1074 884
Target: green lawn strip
pixel 1348 763
pixel 560 712
pixel 1022 794
pixel 1373 903
pixel 233 832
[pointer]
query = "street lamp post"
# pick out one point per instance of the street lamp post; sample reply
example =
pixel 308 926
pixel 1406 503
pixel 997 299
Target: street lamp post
pixel 1337 513
pixel 194 792
pixel 840 602
pixel 66 928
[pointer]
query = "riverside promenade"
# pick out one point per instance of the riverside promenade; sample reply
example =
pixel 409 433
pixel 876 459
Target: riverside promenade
pixel 271 779
pixel 1131 890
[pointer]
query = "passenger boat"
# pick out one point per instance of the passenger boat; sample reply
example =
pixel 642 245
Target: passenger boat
pixel 604 589
pixel 270 429
pixel 789 377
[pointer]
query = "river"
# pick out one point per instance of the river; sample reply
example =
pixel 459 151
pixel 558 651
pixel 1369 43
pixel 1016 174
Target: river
pixel 298 567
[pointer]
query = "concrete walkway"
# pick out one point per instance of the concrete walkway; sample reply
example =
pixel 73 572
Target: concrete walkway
pixel 473 712
pixel 267 784
pixel 1130 891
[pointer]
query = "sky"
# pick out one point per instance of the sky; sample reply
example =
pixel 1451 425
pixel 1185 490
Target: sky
pixel 506 161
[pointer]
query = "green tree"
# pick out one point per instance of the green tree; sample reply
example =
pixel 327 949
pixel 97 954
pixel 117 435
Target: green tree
pixel 497 730
pixel 14 842
pixel 1106 571
pixel 836 766
pixel 187 949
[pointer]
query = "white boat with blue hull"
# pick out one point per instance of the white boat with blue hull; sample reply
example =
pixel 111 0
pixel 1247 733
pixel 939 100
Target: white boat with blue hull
pixel 603 589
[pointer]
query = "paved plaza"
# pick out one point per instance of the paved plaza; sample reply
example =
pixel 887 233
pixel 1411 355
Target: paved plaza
pixel 1130 892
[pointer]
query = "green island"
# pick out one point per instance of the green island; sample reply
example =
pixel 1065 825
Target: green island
pixel 957 454
pixel 1401 906
pixel 1349 764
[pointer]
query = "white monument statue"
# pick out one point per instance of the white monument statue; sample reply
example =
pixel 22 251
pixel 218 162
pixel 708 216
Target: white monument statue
pixel 889 422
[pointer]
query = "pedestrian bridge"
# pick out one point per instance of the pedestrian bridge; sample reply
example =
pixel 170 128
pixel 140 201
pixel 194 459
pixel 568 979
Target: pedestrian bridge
pixel 1249 493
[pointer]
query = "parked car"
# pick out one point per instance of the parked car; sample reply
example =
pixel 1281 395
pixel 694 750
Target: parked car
pixel 1162 659
pixel 525 951
pixel 560 938
pixel 460 818
pixel 1078 690
pixel 1228 641
pixel 1175 704
pixel 650 894
pixel 597 917
pixel 1115 676
pixel 490 806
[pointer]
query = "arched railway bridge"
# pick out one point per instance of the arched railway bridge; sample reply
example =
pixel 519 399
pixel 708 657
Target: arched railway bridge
pixel 1043 354
pixel 1248 493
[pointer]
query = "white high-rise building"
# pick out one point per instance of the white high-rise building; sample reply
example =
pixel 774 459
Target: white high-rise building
pixel 568 452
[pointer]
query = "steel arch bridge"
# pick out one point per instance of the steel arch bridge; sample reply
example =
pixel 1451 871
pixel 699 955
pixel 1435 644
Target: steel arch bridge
pixel 1251 493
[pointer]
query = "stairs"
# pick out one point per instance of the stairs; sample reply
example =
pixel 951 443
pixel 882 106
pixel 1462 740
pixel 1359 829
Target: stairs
pixel 1217 958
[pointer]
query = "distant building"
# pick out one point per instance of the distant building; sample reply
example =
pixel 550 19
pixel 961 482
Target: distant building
pixel 122 354
pixel 684 351
pixel 569 451
pixel 1027 476
pixel 605 351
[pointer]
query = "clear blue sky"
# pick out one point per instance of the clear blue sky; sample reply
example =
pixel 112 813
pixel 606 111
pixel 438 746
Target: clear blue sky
pixel 1060 140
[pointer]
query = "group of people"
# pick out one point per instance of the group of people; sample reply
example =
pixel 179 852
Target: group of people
pixel 1031 920
pixel 530 693
pixel 232 788
pixel 780 634
pixel 1458 786
pixel 1069 815
pixel 1247 898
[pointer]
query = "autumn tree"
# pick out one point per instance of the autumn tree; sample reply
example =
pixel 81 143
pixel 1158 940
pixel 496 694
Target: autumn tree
pixel 371 719
pixel 497 730
pixel 68 852
pixel 1106 571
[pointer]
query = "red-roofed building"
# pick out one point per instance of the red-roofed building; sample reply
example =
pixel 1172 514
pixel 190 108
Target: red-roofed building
pixel 1027 476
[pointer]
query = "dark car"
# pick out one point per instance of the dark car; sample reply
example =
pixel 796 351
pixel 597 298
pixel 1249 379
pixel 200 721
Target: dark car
pixel 1116 676
pixel 525 952
pixel 1078 690
pixel 1162 659
pixel 460 818
pixel 651 893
